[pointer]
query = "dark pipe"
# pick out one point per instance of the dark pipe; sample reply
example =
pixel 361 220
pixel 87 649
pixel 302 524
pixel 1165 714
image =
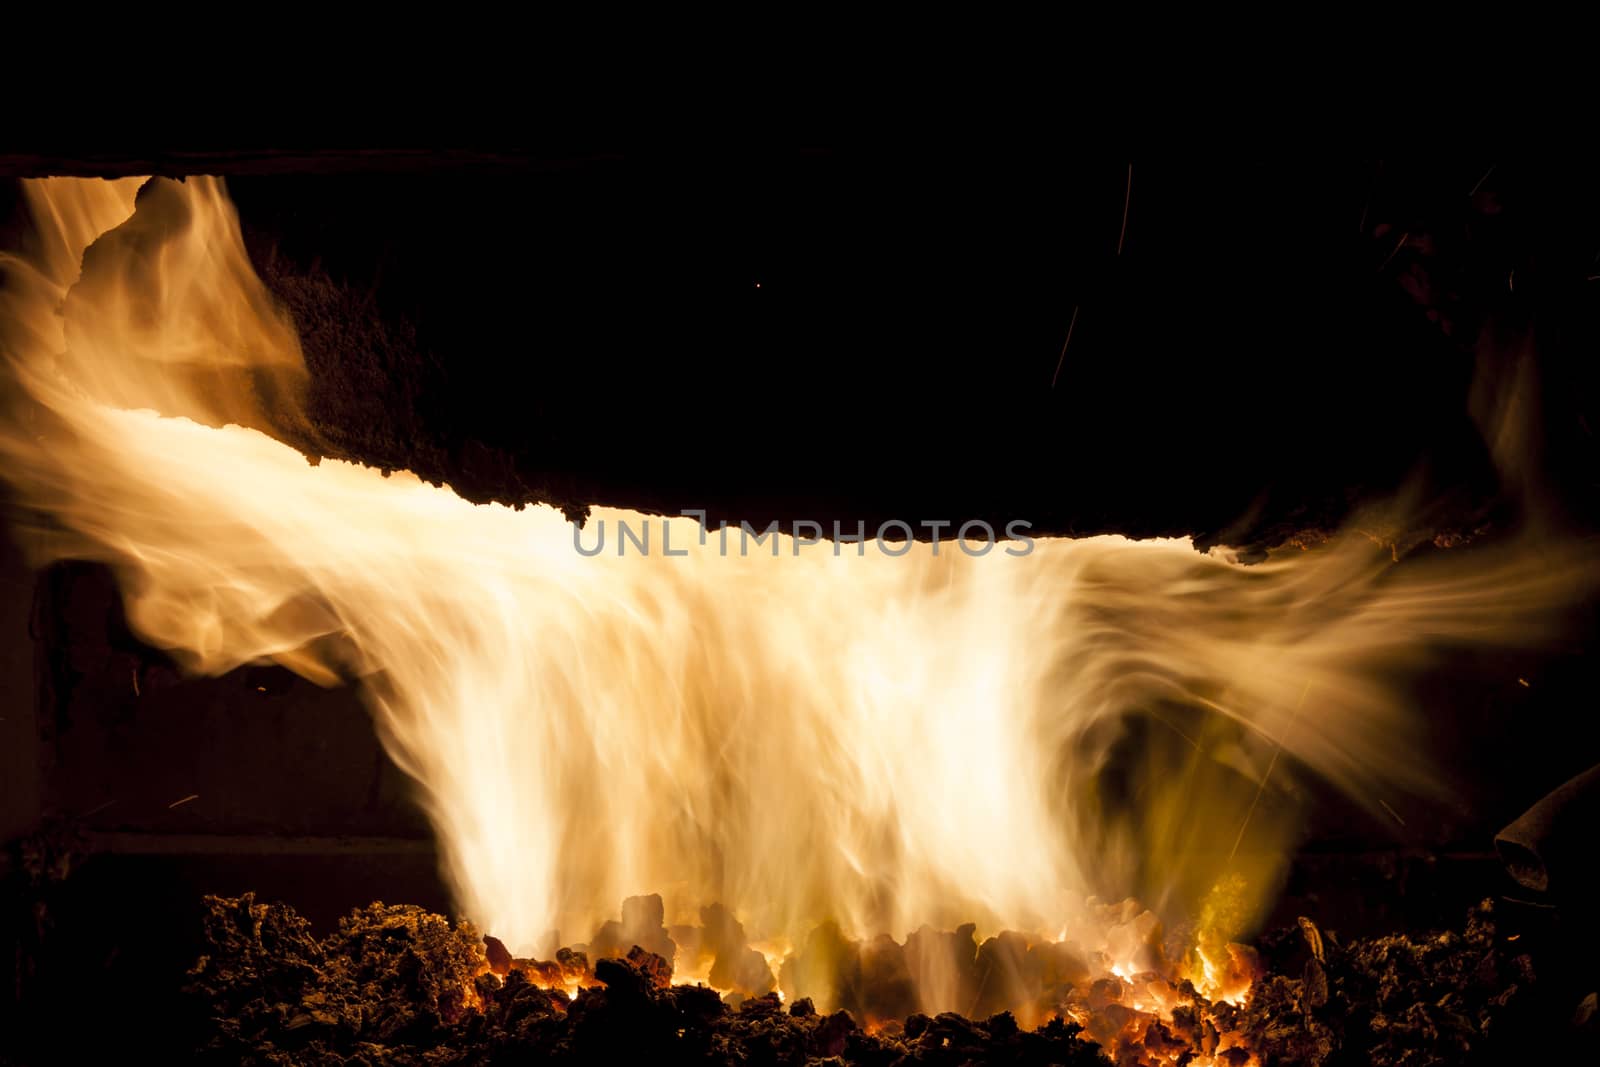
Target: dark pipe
pixel 1554 838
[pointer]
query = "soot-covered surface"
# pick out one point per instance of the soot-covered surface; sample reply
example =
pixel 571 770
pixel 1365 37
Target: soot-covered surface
pixel 848 334
pixel 859 333
pixel 400 985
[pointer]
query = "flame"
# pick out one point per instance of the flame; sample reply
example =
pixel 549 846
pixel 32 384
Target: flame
pixel 883 742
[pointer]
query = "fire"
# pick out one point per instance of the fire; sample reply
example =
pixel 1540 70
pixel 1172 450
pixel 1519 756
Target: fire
pixel 881 742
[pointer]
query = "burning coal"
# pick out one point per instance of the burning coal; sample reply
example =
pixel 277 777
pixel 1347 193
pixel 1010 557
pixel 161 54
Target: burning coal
pixel 874 742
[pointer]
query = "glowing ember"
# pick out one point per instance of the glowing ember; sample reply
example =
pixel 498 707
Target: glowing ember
pixel 808 738
pixel 1146 1013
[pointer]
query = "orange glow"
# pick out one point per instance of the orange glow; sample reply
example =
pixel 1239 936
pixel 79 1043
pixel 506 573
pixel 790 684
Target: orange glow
pixel 883 742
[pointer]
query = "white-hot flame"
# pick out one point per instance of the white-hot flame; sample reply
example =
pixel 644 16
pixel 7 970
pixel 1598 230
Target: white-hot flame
pixel 883 741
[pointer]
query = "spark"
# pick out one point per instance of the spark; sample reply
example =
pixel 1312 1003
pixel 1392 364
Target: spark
pixel 1273 762
pixel 1475 188
pixel 1063 356
pixel 185 800
pixel 1402 243
pixel 1126 200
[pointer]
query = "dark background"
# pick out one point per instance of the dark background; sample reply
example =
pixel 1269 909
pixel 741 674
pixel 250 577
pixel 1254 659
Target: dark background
pixel 819 331
pixel 839 333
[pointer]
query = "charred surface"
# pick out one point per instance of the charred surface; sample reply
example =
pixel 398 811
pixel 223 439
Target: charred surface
pixel 398 985
pixel 834 336
pixel 1462 996
pixel 837 334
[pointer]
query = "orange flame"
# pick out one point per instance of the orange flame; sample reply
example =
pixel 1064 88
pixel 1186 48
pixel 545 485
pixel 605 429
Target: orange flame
pixel 881 741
